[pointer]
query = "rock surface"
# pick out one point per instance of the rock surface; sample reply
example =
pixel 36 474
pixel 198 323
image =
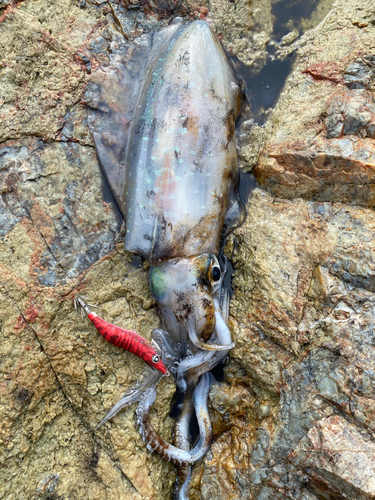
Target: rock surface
pixel 295 414
pixel 320 144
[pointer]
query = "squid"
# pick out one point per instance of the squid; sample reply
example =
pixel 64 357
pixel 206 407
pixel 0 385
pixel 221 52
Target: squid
pixel 163 117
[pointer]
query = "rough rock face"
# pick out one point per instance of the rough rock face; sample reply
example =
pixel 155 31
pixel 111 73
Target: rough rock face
pixel 303 319
pixel 295 414
pixel 321 145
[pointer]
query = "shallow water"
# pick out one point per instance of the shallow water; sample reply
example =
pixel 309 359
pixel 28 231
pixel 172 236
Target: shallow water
pixel 297 14
pixel 263 90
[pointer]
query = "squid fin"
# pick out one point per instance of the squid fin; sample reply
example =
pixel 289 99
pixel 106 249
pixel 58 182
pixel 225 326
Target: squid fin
pixel 113 95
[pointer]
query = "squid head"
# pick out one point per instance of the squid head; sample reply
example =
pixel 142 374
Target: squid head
pixel 185 289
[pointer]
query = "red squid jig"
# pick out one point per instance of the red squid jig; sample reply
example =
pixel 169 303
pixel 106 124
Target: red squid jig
pixel 126 339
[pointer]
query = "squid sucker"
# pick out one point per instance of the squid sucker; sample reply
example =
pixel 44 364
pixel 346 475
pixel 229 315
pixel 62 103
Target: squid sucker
pixel 163 121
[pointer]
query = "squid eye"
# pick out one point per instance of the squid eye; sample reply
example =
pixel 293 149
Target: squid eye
pixel 155 358
pixel 216 273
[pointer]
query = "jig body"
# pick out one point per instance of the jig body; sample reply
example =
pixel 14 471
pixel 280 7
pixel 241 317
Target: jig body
pixel 126 339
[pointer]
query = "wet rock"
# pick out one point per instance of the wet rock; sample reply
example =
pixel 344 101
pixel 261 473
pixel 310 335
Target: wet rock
pixel 289 38
pixel 338 460
pixel 41 75
pixel 42 436
pixel 304 333
pixel 360 74
pixel 352 113
pixel 52 198
pixel 320 144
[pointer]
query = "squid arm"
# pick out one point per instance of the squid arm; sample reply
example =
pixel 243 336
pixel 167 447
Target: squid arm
pixel 166 450
pixel 204 361
pixel 182 440
pixel 133 395
pixel 203 345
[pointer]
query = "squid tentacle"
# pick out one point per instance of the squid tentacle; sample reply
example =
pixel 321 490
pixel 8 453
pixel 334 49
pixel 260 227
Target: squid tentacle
pixel 133 394
pixel 183 492
pixel 166 450
pixel 224 303
pixel 221 315
pixel 190 363
pixel 201 368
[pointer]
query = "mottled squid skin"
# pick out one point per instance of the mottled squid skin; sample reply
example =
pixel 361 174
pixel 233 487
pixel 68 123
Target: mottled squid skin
pixel 174 180
pixel 182 163
pixel 169 452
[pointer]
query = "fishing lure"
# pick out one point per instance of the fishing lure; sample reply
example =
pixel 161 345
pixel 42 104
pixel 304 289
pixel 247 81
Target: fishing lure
pixel 163 121
pixel 126 339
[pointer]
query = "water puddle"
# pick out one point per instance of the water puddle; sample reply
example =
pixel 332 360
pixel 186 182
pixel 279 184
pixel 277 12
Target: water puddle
pixel 263 90
pixel 300 15
pixel 247 184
